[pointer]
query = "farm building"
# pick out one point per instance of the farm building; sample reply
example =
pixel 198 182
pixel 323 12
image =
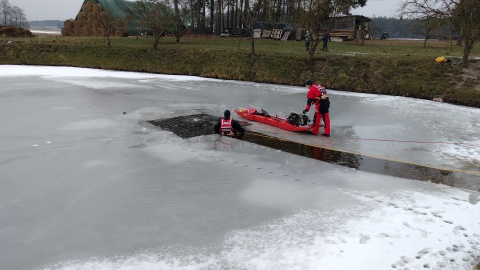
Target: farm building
pixel 96 16
pixel 343 28
pixel 279 31
pixel 349 27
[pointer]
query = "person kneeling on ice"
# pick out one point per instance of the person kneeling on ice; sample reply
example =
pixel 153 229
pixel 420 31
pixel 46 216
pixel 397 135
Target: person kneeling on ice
pixel 229 127
pixel 317 95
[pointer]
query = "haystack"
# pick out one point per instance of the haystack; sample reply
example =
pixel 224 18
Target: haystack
pixel 92 20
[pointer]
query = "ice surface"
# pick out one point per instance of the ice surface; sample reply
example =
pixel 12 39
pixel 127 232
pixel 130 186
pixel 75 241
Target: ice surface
pixel 62 72
pixel 84 186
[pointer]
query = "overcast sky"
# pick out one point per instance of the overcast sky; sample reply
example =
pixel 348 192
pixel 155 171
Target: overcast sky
pixel 67 9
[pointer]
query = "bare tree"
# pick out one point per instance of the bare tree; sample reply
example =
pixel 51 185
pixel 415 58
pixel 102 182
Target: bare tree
pixel 463 15
pixel 426 27
pixel 159 19
pixel 314 18
pixel 249 15
pixel 196 8
pixel 211 20
pixel 466 17
pixel 202 14
pixel 109 24
pixel 23 18
pixel 180 28
pixel 218 17
pixel 5 11
pixel 13 16
pixel 319 15
pixel 17 17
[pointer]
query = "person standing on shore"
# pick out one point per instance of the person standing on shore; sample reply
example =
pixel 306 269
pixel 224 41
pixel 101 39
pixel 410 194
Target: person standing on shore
pixel 325 38
pixel 307 41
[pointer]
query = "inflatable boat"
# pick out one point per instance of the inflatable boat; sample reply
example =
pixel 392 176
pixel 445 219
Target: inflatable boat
pixel 294 121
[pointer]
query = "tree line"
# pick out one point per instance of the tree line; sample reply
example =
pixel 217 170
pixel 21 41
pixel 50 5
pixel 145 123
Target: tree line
pixel 458 19
pixel 411 28
pixel 12 15
pixel 206 17
pixel 423 18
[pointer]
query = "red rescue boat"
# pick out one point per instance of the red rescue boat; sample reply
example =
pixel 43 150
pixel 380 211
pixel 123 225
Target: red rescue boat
pixel 294 122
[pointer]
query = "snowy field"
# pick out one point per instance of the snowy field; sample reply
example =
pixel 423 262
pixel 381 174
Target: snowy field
pixel 84 186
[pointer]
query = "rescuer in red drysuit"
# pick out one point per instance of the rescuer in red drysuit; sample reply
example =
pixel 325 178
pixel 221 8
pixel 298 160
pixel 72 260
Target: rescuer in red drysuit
pixel 317 95
pixel 229 127
pixel 313 97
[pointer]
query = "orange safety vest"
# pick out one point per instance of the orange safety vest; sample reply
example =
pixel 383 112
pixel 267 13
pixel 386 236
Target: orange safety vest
pixel 226 127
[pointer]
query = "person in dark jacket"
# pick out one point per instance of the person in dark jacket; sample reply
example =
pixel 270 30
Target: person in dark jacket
pixel 307 41
pixel 324 112
pixel 326 38
pixel 229 127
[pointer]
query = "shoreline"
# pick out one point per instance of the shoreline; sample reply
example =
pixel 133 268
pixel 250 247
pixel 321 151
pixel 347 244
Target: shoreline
pixel 396 76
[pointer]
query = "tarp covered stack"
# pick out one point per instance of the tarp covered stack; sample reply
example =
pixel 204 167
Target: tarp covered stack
pixel 93 20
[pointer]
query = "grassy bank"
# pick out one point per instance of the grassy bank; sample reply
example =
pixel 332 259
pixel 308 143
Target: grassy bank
pixel 402 68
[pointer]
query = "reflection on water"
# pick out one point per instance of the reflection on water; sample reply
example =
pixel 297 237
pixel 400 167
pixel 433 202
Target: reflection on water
pixel 202 124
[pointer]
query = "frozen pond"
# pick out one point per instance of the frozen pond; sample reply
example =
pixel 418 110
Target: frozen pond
pixel 84 186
